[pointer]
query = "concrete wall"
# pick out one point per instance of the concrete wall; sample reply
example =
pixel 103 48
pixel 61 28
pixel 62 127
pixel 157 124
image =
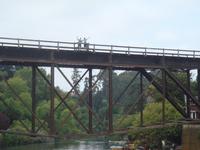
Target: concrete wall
pixel 191 137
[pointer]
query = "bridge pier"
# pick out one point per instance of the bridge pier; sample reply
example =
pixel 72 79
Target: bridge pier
pixel 141 100
pixel 164 82
pixel 33 95
pixel 110 102
pixel 90 102
pixel 188 88
pixel 52 94
pixel 190 137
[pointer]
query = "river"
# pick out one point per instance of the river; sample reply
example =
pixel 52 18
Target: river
pixel 78 145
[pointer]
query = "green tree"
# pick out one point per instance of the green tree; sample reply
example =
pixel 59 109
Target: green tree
pixel 153 114
pixel 18 109
pixel 75 77
pixel 42 90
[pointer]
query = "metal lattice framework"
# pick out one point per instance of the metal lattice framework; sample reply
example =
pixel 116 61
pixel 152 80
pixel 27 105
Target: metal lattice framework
pixel 54 54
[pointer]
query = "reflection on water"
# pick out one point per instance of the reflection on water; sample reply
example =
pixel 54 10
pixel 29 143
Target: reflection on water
pixel 79 145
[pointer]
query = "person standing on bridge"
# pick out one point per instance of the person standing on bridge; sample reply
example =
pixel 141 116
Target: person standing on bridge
pixel 86 45
pixel 79 43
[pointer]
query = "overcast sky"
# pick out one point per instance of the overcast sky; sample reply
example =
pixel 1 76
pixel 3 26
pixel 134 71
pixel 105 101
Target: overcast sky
pixel 154 23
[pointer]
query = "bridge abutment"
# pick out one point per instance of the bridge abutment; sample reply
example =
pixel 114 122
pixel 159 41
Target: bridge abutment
pixel 191 137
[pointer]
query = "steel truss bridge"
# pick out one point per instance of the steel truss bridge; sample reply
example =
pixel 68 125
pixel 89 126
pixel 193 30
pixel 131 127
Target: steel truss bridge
pixel 56 54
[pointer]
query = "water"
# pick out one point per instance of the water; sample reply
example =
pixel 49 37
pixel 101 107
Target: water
pixel 78 145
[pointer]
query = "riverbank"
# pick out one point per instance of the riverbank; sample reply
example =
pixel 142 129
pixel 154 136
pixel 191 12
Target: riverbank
pixel 72 145
pixel 151 137
pixel 7 140
pixel 155 138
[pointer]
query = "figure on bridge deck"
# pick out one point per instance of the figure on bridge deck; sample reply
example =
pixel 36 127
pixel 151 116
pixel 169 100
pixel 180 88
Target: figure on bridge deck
pixel 86 45
pixel 80 41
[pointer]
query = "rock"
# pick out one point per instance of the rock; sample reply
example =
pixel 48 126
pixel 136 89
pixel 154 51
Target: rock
pixel 4 122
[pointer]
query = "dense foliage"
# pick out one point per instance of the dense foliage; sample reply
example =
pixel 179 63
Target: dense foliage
pixel 124 114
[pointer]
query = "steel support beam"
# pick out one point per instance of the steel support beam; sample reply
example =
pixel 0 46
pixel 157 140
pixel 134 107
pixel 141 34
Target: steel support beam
pixel 110 95
pixel 80 96
pixel 22 123
pixel 73 87
pixel 198 83
pixel 90 103
pixel 63 101
pixel 141 100
pixel 188 98
pixel 185 90
pixel 23 102
pixel 159 88
pixel 164 81
pixel 136 102
pixel 29 55
pixel 52 94
pixel 33 95
pixel 125 89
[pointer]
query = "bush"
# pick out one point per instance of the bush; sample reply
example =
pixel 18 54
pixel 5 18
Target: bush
pixel 153 137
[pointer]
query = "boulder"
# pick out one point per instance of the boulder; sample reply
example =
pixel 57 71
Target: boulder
pixel 4 122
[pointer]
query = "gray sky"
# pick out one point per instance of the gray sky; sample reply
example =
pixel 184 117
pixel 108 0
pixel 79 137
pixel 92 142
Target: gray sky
pixel 154 23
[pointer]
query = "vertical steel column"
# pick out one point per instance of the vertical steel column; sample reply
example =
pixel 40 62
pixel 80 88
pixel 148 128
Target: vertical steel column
pixel 141 100
pixel 52 123
pixel 164 94
pixel 90 101
pixel 110 119
pixel 33 96
pixel 198 83
pixel 188 99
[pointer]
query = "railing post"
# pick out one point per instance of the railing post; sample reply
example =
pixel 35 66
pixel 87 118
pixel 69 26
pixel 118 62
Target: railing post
pixel 128 50
pixel 18 43
pixel 74 45
pixel 178 52
pixel 163 52
pixel 58 45
pixel 93 48
pixel 39 44
pixel 111 50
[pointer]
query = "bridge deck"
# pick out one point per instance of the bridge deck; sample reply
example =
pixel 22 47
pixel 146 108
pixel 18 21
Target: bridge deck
pixel 84 55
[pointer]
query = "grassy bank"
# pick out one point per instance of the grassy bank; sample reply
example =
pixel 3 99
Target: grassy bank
pixel 7 140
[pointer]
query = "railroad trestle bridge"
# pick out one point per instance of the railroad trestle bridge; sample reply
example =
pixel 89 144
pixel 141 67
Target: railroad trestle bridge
pixel 56 54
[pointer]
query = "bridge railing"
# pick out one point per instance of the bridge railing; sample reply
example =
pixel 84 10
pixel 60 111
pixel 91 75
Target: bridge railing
pixel 76 46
